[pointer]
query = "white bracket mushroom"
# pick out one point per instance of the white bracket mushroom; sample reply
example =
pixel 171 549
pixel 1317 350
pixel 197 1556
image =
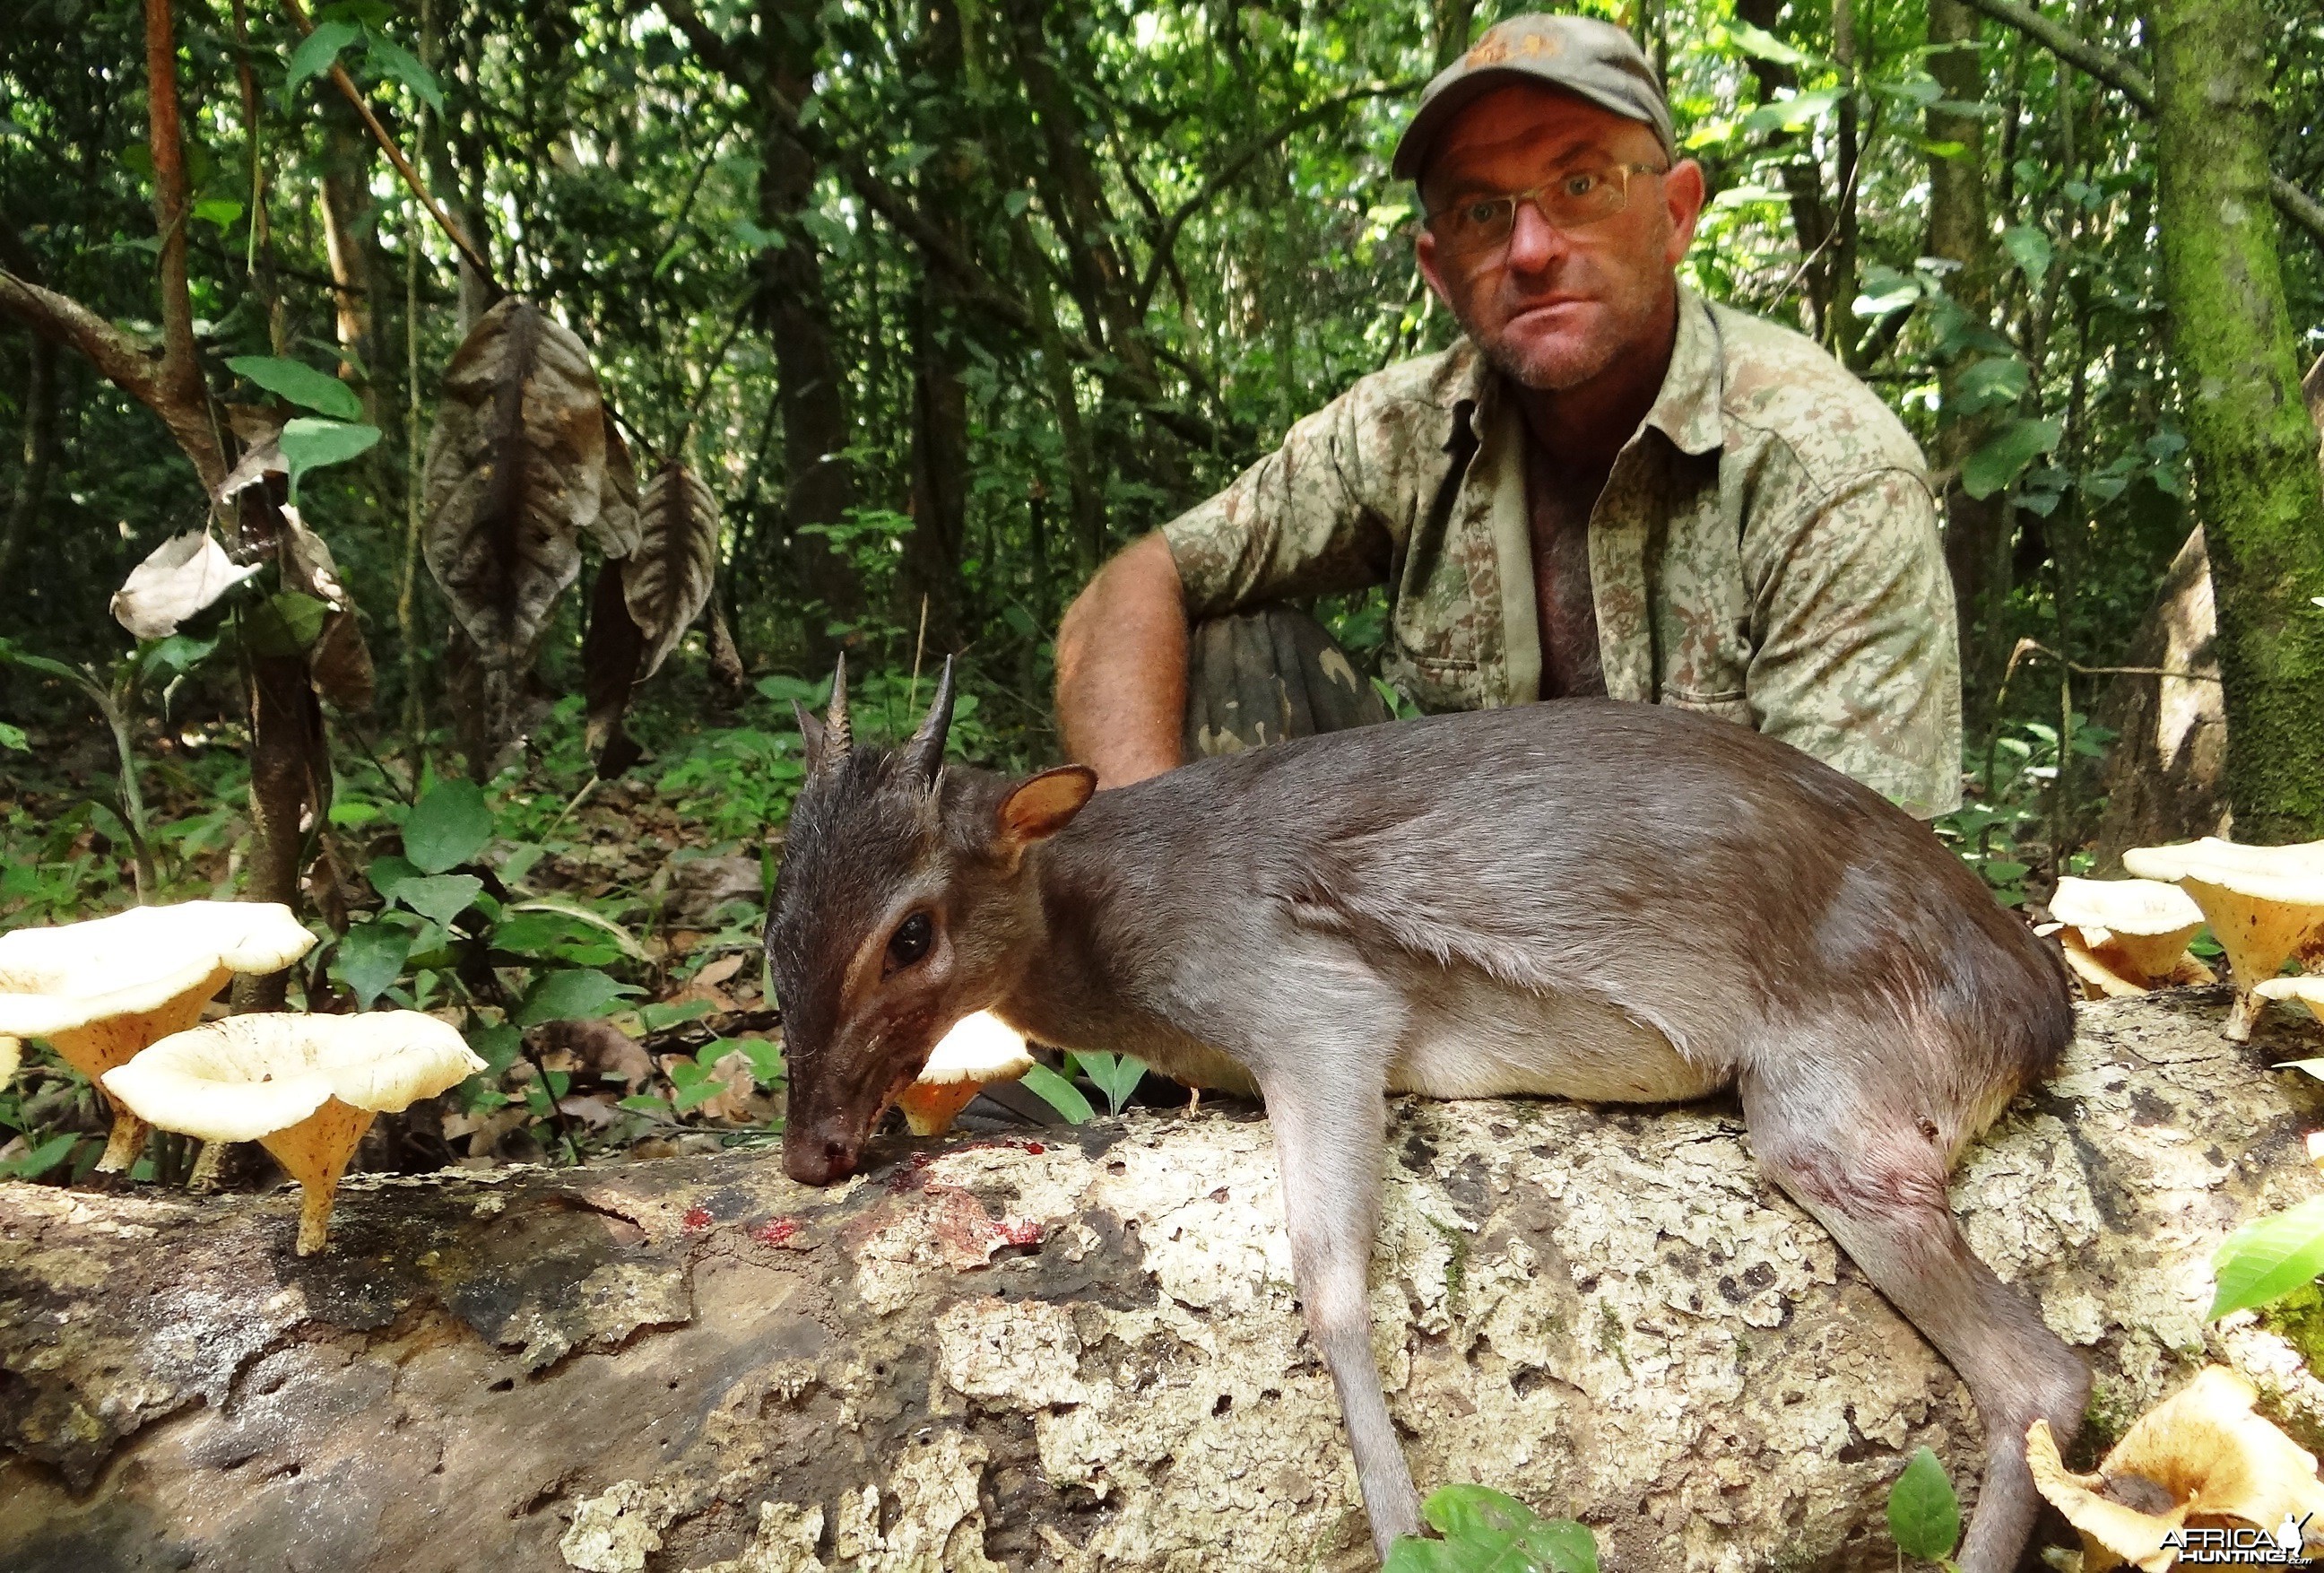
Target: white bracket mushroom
pixel 2125 935
pixel 101 991
pixel 2265 904
pixel 978 1050
pixel 304 1087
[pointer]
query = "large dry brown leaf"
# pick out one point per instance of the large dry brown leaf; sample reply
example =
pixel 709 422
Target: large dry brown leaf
pixel 516 472
pixel 668 579
pixel 610 652
pixel 615 533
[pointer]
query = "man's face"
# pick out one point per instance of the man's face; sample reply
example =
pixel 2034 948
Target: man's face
pixel 1553 309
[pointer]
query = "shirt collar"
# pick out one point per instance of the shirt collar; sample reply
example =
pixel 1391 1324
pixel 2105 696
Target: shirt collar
pixel 1686 410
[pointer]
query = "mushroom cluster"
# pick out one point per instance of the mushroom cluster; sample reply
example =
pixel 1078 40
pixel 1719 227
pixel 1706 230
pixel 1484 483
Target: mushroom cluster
pixel 304 1087
pixel 2122 936
pixel 103 990
pixel 2201 1459
pixel 2265 904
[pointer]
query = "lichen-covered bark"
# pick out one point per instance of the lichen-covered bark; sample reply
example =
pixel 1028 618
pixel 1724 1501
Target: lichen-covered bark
pixel 2248 431
pixel 1084 1355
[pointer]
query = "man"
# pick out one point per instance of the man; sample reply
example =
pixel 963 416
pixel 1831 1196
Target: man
pixel 1609 486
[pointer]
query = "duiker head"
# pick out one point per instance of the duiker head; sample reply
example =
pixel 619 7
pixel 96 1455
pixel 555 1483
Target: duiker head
pixel 900 908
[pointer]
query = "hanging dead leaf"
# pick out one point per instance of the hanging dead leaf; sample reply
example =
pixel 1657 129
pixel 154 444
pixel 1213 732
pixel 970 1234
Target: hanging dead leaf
pixel 610 652
pixel 725 660
pixel 338 660
pixel 262 456
pixel 515 473
pixel 668 580
pixel 615 533
pixel 179 577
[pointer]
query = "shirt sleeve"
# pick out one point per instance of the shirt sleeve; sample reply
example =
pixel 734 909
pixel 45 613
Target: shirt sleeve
pixel 1301 521
pixel 1856 655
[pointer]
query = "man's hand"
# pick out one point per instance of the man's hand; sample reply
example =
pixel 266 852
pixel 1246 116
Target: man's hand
pixel 1121 667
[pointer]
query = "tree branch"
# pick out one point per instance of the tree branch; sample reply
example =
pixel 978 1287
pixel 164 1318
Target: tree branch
pixel 1241 159
pixel 179 379
pixel 354 95
pixel 976 288
pixel 2137 86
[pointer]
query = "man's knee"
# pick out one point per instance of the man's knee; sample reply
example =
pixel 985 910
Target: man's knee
pixel 1261 677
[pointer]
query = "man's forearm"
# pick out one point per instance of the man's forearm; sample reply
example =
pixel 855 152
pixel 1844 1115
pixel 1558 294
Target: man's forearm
pixel 1121 667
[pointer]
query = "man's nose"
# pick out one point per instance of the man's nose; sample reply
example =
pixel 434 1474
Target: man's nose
pixel 1535 243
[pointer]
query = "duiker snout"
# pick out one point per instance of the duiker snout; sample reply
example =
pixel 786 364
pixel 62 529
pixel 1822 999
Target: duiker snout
pixel 819 1154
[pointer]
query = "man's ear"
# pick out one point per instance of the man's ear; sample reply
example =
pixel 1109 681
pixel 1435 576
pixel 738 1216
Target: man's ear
pixel 1039 807
pixel 1683 196
pixel 1423 252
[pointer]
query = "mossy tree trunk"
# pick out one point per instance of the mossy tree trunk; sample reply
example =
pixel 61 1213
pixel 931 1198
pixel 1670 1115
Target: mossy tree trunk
pixel 2248 430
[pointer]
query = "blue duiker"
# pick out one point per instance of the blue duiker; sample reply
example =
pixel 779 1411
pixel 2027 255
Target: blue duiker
pixel 1617 902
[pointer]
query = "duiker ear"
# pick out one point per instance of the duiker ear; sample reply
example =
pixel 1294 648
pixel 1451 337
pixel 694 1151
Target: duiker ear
pixel 1036 810
pixel 811 730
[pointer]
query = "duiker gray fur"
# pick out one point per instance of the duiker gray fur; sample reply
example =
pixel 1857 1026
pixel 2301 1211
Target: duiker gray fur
pixel 1586 898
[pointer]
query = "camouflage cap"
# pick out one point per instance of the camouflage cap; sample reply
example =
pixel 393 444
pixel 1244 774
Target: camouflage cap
pixel 1592 60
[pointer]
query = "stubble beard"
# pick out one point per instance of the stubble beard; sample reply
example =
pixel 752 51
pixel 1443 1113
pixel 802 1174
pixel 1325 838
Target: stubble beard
pixel 1563 364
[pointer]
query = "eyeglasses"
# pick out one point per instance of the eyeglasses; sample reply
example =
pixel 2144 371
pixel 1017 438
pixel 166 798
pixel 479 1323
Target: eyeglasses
pixel 1574 200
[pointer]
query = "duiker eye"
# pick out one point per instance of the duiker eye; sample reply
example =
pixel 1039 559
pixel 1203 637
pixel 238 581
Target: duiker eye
pixel 910 940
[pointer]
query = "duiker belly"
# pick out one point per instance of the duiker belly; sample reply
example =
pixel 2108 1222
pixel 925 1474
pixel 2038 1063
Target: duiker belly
pixel 1469 1036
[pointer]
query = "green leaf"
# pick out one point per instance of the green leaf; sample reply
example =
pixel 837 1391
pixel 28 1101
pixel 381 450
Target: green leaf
pixel 766 1060
pixel 2268 1258
pixel 540 934
pixel 178 653
pixel 32 1165
pixel 300 383
pixel 311 444
pixel 449 826
pixel 2030 249
pixel 1115 1075
pixel 755 239
pixel 1885 290
pixel 13 737
pixel 221 211
pixel 395 61
pixel 786 689
pixel 1486 1532
pixel 1924 1516
pixel 566 907
pixel 575 994
pixel 387 873
pixel 1761 44
pixel 440 897
pixel 659 1018
pixel 284 624
pixel 371 956
pixel 2005 456
pixel 496 1046
pixel 317 53
pixel 1994 380
pixel 1059 1094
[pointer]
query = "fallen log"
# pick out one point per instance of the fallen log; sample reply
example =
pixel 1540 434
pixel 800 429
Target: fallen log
pixel 1083 1354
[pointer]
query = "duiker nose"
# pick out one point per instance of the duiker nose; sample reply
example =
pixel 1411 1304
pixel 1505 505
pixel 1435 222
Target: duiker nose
pixel 818 1162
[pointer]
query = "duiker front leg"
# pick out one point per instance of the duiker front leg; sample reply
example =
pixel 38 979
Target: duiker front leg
pixel 1863 1167
pixel 1328 1129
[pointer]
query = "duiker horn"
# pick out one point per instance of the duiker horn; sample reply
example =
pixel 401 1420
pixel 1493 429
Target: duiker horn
pixel 924 754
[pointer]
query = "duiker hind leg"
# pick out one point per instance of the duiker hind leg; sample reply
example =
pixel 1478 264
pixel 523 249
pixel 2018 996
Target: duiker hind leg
pixel 1863 1167
pixel 1330 1133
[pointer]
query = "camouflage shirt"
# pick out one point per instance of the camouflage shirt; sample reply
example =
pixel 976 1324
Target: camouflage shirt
pixel 1765 548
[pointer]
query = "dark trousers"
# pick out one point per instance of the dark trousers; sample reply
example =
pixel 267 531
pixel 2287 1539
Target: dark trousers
pixel 1260 677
